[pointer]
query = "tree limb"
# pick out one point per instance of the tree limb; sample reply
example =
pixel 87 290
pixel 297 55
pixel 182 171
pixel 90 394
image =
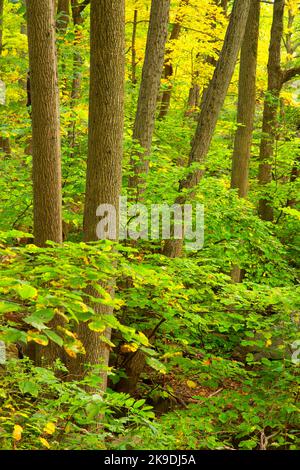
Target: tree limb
pixel 289 74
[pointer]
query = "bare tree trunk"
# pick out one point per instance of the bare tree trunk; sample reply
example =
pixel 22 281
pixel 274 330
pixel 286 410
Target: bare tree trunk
pixel 246 111
pixel 151 76
pixel 4 141
pixel 63 16
pixel 212 102
pixel 77 59
pixel 168 67
pixel 295 173
pixel 1 25
pixel 271 104
pixel 105 148
pixel 45 137
pixel 246 103
pixel 133 49
pixel 45 122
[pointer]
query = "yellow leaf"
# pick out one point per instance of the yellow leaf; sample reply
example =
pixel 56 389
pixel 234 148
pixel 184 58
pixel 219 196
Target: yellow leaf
pixel 17 432
pixel 128 348
pixel 191 384
pixel 268 343
pixel 45 442
pixel 70 352
pixel 49 428
pixel 39 339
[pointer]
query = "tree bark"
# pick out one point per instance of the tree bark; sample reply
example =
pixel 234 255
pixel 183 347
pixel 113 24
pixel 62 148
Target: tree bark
pixel 46 170
pixel 133 49
pixel 63 16
pixel 45 122
pixel 246 111
pixel 212 102
pixel 1 25
pixel 151 75
pixel 271 108
pixel 246 103
pixel 168 67
pixel 105 145
pixel 77 58
pixel 4 141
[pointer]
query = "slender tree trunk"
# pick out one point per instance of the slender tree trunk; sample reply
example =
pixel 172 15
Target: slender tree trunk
pixel 105 147
pixel 271 104
pixel 1 25
pixel 133 48
pixel 246 103
pixel 295 173
pixel 151 76
pixel 77 58
pixel 63 16
pixel 212 102
pixel 45 138
pixel 45 122
pixel 4 141
pixel 246 111
pixel 168 67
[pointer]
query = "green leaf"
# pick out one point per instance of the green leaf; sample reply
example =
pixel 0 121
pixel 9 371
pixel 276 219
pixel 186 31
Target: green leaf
pixel 54 337
pixel 26 292
pixel 29 387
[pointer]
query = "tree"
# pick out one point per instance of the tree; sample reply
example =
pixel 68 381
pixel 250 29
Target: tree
pixel 45 122
pixel 168 67
pixel 246 110
pixel 105 143
pixel 46 171
pixel 1 25
pixel 4 141
pixel 133 48
pixel 77 9
pixel 270 107
pixel 63 16
pixel 212 102
pixel 151 75
pixel 246 103
pixel 276 79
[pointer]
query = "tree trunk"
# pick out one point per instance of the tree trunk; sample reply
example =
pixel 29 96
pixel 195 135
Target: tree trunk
pixel 45 122
pixel 45 138
pixel 212 102
pixel 168 67
pixel 151 75
pixel 77 58
pixel 246 111
pixel 105 145
pixel 1 25
pixel 4 141
pixel 133 48
pixel 246 103
pixel 63 16
pixel 271 108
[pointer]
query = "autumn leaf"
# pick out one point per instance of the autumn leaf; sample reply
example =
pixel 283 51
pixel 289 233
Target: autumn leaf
pixel 191 384
pixel 17 432
pixel 49 428
pixel 128 348
pixel 45 442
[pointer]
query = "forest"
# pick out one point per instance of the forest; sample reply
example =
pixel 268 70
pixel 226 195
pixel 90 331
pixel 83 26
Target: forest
pixel 149 225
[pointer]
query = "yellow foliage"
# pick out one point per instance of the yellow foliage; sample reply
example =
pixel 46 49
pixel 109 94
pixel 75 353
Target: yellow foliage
pixel 17 432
